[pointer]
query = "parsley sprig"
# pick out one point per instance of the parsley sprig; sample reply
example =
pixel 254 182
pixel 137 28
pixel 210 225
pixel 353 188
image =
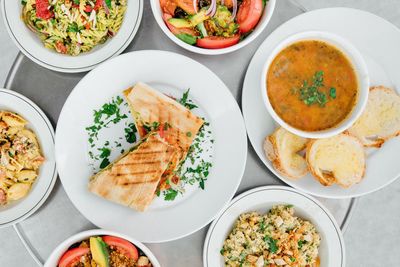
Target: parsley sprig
pixel 311 93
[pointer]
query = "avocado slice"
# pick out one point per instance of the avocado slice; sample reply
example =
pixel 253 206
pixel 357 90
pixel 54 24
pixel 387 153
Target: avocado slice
pixel 199 17
pixel 99 251
pixel 180 23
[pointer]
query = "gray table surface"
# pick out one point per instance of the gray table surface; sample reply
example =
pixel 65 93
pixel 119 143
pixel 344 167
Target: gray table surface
pixel 372 238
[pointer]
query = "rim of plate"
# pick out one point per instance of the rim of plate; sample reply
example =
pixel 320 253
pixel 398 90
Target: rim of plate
pixel 264 21
pixel 64 245
pixel 252 68
pixel 87 67
pixel 53 179
pixel 284 189
pixel 241 137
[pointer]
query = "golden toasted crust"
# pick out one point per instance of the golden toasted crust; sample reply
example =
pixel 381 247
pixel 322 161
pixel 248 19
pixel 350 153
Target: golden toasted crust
pixel 372 128
pixel 284 154
pixel 133 179
pixel 337 160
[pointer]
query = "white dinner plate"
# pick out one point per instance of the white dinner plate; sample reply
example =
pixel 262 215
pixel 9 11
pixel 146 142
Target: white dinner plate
pixel 171 74
pixel 29 43
pixel 379 42
pixel 261 199
pixel 41 188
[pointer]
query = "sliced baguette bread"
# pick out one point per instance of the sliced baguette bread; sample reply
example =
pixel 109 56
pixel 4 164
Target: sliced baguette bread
pixel 381 118
pixel 339 159
pixel 282 149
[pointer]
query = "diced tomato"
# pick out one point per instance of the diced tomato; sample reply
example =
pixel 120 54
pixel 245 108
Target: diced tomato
pixel 249 14
pixel 123 246
pixel 87 26
pixel 216 42
pixel 60 47
pixel 98 4
pixel 161 131
pixel 42 9
pixel 175 30
pixel 88 8
pixel 72 256
pixel 168 6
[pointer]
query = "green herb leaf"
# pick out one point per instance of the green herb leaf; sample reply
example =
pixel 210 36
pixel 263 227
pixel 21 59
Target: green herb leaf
pixel 23 2
pixel 130 133
pixel 105 152
pixel 272 244
pixel 170 194
pixel 300 243
pixel 108 3
pixel 104 163
pixel 76 2
pixel 222 251
pixel 73 27
pixel 332 92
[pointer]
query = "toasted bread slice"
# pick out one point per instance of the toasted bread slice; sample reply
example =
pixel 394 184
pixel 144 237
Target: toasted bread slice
pixel 149 106
pixel 132 180
pixel 381 118
pixel 339 159
pixel 282 149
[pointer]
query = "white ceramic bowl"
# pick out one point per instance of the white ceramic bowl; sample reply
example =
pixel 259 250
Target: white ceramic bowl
pixel 268 11
pixel 57 253
pixel 30 44
pixel 261 199
pixel 359 66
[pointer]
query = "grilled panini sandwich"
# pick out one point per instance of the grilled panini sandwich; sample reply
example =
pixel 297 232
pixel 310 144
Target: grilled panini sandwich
pixel 149 107
pixel 132 180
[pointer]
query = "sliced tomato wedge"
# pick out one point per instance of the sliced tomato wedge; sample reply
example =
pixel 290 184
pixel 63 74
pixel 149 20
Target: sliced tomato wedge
pixel 61 48
pixel 72 256
pixel 216 42
pixel 42 9
pixel 122 245
pixel 175 30
pixel 249 14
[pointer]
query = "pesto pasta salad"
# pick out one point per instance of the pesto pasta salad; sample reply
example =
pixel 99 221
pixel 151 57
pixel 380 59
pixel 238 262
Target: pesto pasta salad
pixel 73 26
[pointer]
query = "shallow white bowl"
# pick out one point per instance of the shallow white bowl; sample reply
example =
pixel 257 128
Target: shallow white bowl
pixel 30 44
pixel 268 11
pixel 55 256
pixel 261 199
pixel 359 66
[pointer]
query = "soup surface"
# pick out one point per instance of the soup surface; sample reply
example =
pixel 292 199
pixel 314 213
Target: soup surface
pixel 312 85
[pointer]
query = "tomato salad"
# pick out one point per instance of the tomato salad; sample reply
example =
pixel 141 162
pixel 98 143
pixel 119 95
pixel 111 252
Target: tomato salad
pixel 104 251
pixel 212 24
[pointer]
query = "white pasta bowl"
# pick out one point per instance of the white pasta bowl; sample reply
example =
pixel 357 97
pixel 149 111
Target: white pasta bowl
pixel 262 24
pixel 360 68
pixel 17 211
pixel 30 44
pixel 261 199
pixel 57 253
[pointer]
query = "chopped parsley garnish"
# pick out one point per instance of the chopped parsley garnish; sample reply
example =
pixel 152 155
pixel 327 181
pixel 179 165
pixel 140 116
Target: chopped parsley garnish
pixel 76 2
pixel 170 194
pixel 185 101
pixel 272 244
pixel 222 251
pixel 104 163
pixel 311 93
pixel 263 225
pixel 74 27
pixel 130 133
pixel 292 259
pixel 300 243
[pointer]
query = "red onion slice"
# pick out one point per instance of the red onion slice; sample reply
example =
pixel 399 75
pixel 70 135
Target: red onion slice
pixel 106 8
pixel 235 7
pixel 211 10
pixel 195 6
